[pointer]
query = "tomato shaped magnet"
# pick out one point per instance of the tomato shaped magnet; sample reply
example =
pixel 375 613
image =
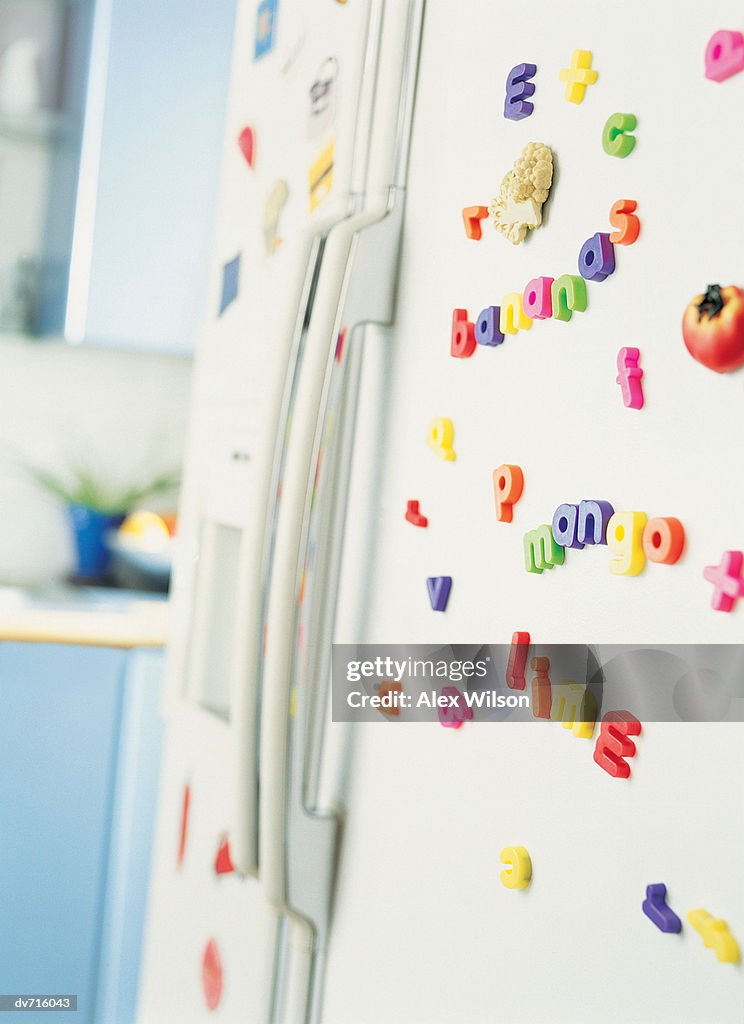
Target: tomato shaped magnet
pixel 713 328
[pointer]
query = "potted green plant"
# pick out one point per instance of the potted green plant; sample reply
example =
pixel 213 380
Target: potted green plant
pixel 94 508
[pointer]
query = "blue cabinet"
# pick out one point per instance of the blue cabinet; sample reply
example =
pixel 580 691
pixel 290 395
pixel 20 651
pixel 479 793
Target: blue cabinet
pixel 79 751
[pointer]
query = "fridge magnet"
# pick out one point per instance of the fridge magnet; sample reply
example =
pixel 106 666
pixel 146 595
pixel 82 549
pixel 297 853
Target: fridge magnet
pixel 275 203
pixel 578 75
pixel 713 328
pixel 462 337
pixel 541 550
pixel 512 317
pixel 664 540
pixel 597 258
pixel 230 283
pixel 568 293
pixel 439 591
pixel 716 935
pixel 627 225
pixel 537 299
pixel 320 177
pixel 455 711
pixel 471 218
pixel 517 208
pixel 441 438
pixel 212 975
pixel 724 55
pixel 516 666
pixel 223 864
pixel 247 143
pixel 655 908
pixel 630 377
pixel 487 329
pixel 386 691
pixel 323 98
pixel 614 743
pixel 625 539
pixel 728 584
pixel 518 88
pixel 615 138
pixel 519 862
pixel 508 483
pixel 542 692
pixel 183 830
pixel 265 27
pixel 414 516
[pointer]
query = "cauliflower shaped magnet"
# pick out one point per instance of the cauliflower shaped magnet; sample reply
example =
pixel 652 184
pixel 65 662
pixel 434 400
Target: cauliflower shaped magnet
pixel 518 206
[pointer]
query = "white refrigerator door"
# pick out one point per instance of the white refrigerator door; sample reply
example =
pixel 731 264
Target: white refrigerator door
pixel 423 931
pixel 296 83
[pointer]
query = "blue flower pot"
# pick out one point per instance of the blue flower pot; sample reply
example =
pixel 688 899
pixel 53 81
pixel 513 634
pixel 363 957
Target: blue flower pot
pixel 89 529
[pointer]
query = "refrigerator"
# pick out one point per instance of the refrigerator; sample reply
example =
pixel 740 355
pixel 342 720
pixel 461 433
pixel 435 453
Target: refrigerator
pixel 313 868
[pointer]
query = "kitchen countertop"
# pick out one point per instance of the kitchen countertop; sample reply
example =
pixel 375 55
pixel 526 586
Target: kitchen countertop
pixel 89 616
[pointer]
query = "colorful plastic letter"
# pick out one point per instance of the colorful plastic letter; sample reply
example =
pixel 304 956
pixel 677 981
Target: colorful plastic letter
pixel 452 717
pixel 386 689
pixel 575 707
pixel 462 343
pixel 487 331
pixel 413 515
pixel 569 296
pixel 724 55
pixel 542 694
pixel 578 75
pixel 472 217
pixel 629 377
pixel 597 258
pixel 223 864
pixel 664 540
pixel 230 283
pixel 518 88
pixel 541 551
pixel 625 538
pixel 512 314
pixel 537 300
pixel 728 585
pixel 615 140
pixel 508 483
pixel 515 668
pixel 247 143
pixel 439 590
pixel 623 219
pixel 442 438
pixel 520 863
pixel 655 908
pixel 565 520
pixel 598 513
pixel 716 935
pixel 613 743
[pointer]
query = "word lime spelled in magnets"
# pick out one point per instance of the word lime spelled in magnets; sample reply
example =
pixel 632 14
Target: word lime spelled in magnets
pixel 629 377
pixel 520 863
pixel 518 88
pixel 655 908
pixel 578 75
pixel 508 484
pixel 728 584
pixel 614 743
pixel 724 55
pixel 439 591
pixel 413 515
